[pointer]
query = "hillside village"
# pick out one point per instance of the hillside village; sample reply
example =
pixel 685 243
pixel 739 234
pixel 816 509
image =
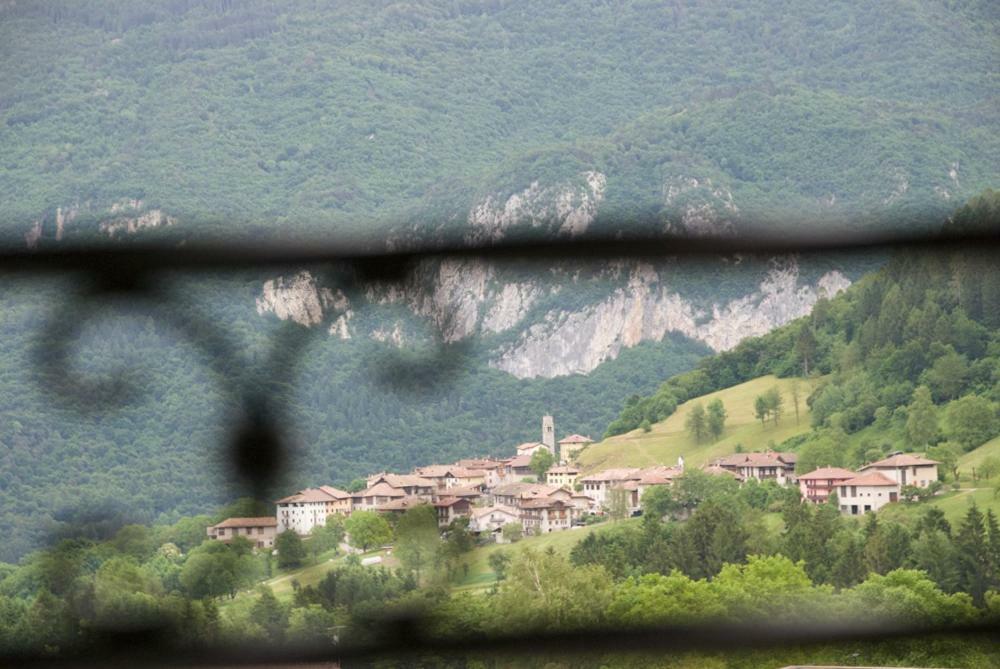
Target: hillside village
pixel 493 494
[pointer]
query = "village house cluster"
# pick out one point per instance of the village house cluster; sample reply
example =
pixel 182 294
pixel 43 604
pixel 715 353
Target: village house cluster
pixel 493 493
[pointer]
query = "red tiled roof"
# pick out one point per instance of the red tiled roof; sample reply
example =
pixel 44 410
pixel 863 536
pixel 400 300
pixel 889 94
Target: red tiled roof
pixel 519 461
pixel 828 473
pixel 872 479
pixel 563 469
pixel 576 439
pixel 266 521
pixel 529 444
pixel 902 460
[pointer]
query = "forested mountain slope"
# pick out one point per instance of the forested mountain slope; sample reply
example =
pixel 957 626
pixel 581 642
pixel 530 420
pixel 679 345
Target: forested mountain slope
pixel 313 117
pixel 911 356
pixel 400 123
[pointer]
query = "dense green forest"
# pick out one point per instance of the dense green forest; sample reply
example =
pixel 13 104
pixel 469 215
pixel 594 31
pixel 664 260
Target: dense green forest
pixel 911 356
pixel 303 117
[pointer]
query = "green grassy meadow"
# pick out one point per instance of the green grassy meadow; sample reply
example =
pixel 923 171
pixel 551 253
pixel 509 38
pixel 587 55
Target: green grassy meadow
pixel 668 439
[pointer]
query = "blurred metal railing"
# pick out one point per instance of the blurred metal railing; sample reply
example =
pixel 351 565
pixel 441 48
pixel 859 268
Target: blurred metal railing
pixel 134 271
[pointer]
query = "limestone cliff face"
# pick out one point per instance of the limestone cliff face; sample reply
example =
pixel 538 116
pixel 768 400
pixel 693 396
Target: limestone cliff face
pixel 298 298
pixel 462 299
pixel 567 317
pixel 575 342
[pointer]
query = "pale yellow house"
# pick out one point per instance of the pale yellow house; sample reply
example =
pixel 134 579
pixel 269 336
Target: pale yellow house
pixel 562 475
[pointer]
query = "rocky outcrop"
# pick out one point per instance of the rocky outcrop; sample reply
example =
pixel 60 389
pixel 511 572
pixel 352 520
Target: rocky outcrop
pixel 130 216
pixel 567 208
pixel 124 217
pixel 575 342
pixel 299 298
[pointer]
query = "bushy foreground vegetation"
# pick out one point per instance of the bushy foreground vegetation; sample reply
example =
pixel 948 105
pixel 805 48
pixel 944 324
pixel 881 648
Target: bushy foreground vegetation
pixel 743 554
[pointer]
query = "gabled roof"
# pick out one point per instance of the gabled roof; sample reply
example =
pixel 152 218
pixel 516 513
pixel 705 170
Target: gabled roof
pixel 381 489
pixel 528 445
pixel 524 490
pixel 576 439
pixel 828 473
pixel 901 460
pixel 563 469
pixel 450 501
pixel 310 495
pixel 487 510
pixel 265 521
pixel 336 493
pixel 520 461
pixel 659 475
pixel 404 480
pixel 871 479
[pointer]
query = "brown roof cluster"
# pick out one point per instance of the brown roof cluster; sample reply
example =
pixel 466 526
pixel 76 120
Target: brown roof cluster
pixel 901 460
pixel 827 474
pixel 872 479
pixel 266 521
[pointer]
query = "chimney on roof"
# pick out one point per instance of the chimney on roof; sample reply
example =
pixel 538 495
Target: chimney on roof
pixel 549 434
